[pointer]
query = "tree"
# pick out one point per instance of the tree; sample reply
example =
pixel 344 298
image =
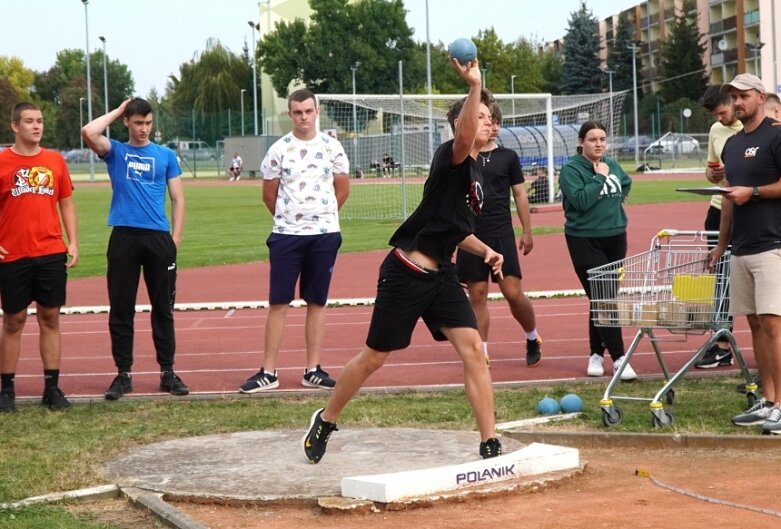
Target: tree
pixel 13 70
pixel 619 58
pixel 581 73
pixel 64 84
pixel 9 96
pixel 501 60
pixel 681 66
pixel 320 55
pixel 551 66
pixel 205 89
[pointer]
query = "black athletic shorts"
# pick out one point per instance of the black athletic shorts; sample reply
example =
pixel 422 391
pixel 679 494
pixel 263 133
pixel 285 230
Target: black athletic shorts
pixel 405 294
pixel 308 259
pixel 472 268
pixel 40 279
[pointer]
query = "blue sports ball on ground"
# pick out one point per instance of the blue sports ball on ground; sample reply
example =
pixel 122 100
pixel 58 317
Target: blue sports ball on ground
pixel 548 406
pixel 571 403
pixel 463 50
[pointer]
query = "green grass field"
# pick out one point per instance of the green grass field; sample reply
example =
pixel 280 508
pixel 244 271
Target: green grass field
pixel 228 224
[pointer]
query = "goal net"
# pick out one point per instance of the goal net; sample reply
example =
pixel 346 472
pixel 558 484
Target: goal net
pixel 390 140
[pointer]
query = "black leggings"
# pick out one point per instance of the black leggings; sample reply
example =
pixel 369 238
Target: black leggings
pixel 587 253
pixel 129 251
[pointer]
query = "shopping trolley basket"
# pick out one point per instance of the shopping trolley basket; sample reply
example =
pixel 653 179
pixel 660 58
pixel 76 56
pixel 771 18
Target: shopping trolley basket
pixel 670 287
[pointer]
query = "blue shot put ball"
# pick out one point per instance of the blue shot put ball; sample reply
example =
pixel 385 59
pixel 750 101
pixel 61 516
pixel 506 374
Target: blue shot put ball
pixel 571 403
pixel 463 50
pixel 548 406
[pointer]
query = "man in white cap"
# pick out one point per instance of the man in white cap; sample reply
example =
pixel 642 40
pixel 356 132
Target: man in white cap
pixel 752 214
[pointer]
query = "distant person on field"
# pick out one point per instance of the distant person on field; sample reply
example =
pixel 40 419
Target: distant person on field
pixel 306 180
pixel 142 239
pixel 773 106
pixel 727 124
pixel 235 167
pixel 502 174
pixel 418 280
pixel 751 224
pixel 594 188
pixel 34 184
pixel 539 188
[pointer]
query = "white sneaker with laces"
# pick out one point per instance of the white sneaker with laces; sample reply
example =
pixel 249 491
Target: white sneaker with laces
pixel 596 366
pixel 628 373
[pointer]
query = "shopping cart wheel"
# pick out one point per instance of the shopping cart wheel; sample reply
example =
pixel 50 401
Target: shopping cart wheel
pixel 661 418
pixel 670 397
pixel 612 416
pixel 752 398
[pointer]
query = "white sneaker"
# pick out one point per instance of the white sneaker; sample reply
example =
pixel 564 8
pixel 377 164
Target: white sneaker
pixel 596 367
pixel 628 373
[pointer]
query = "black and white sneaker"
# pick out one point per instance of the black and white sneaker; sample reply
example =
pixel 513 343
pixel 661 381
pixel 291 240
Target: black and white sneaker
pixel 756 414
pixel 260 381
pixel 315 440
pixel 317 378
pixel 715 357
pixel 490 448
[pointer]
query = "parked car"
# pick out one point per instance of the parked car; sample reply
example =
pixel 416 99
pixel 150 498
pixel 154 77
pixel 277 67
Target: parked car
pixel 675 143
pixel 76 155
pixel 628 145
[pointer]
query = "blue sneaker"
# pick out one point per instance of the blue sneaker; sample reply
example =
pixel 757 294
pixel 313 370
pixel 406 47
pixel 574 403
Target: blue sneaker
pixel 260 381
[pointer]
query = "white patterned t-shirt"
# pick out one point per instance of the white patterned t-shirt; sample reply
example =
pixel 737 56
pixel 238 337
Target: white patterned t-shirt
pixel 306 200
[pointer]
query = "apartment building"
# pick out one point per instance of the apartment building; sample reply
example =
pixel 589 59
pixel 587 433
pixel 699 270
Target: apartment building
pixel 741 36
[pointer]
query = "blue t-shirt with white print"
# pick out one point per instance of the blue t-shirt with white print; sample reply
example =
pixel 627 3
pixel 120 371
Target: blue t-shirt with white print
pixel 139 180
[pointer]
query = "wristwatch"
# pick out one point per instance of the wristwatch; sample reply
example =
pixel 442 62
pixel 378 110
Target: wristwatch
pixel 755 193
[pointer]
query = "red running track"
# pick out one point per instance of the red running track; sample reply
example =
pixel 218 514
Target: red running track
pixel 218 349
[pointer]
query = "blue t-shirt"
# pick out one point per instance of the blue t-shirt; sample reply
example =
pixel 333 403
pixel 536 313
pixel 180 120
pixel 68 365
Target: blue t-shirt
pixel 139 180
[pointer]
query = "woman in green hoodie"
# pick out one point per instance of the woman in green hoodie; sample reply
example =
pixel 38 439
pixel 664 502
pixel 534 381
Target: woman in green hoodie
pixel 594 188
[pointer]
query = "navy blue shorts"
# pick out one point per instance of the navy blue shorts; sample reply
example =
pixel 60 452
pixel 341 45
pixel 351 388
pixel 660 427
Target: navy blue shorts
pixel 405 294
pixel 40 279
pixel 310 257
pixel 472 267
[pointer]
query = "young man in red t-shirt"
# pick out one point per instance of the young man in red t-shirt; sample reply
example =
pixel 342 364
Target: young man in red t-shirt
pixel 34 182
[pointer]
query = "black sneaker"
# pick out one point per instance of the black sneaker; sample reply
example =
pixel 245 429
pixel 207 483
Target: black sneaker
pixel 715 357
pixel 171 383
pixel 318 379
pixel 7 402
pixel 260 381
pixel 121 384
pixel 533 352
pixel 315 440
pixel 54 399
pixel 490 448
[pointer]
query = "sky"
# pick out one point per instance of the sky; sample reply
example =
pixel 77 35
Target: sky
pixel 154 37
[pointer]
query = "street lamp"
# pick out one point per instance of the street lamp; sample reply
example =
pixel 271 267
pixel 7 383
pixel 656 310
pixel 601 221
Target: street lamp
pixel 105 82
pixel 512 91
pixel 633 47
pixel 755 48
pixel 81 121
pixel 610 87
pixel 89 85
pixel 355 115
pixel 484 71
pixel 254 26
pixel 242 110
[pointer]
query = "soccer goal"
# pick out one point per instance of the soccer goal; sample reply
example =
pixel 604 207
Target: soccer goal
pixel 390 140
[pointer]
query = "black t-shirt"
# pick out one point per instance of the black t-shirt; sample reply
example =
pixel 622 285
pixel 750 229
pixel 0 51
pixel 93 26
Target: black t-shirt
pixel 452 200
pixel 754 159
pixel 501 170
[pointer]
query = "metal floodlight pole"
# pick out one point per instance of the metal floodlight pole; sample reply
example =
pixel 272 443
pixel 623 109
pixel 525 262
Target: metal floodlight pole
pixel 354 67
pixel 512 91
pixel 633 47
pixel 755 48
pixel 254 26
pixel 89 85
pixel 105 82
pixel 428 91
pixel 81 121
pixel 610 88
pixel 242 110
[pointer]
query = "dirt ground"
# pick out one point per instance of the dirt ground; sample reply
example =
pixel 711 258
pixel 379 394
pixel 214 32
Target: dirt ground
pixel 607 495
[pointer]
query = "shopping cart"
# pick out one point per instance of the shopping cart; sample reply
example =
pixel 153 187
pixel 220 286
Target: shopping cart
pixel 670 287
